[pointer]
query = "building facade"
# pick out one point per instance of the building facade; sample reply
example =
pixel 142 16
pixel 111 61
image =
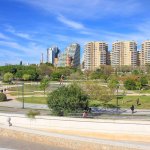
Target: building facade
pixel 71 56
pixel 95 55
pixel 52 55
pixel 145 53
pixel 124 53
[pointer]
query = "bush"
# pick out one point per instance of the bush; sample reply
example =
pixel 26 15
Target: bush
pixel 130 84
pixel 3 97
pixel 8 77
pixel 33 113
pixel 67 99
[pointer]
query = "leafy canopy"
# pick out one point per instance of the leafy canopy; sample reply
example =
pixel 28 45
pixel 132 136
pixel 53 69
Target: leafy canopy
pixel 67 99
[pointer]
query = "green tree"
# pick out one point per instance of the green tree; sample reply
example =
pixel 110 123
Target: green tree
pixel 112 84
pixel 98 92
pixel 130 84
pixel 75 76
pixel 44 84
pixel 143 81
pixel 67 99
pixel 106 72
pixel 45 70
pixel 8 77
pixel 55 76
pixel 95 75
pixel 135 72
pixel 26 77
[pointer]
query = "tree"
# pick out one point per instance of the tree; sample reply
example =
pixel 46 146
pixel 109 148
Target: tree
pixel 75 76
pixel 143 81
pixel 112 84
pixel 135 72
pixel 98 92
pixel 55 76
pixel 130 84
pixel 19 74
pixel 26 77
pixel 106 72
pixel 8 77
pixel 44 84
pixel 67 99
pixel 95 75
pixel 44 70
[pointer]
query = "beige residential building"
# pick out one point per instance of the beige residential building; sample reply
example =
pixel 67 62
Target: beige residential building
pixel 95 55
pixel 145 53
pixel 124 53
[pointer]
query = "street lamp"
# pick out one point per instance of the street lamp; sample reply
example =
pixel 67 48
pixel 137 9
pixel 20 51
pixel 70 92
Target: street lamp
pixel 117 87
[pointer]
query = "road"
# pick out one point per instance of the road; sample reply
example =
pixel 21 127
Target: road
pixel 7 143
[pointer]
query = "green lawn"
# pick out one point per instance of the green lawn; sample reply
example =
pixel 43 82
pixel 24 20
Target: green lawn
pixel 127 101
pixel 16 93
pixel 35 100
pixel 27 88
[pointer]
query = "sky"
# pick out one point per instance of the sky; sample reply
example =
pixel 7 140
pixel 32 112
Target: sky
pixel 29 27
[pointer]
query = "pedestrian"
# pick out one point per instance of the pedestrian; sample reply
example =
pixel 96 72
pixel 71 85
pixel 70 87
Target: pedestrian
pixel 9 121
pixel 85 114
pixel 138 102
pixel 132 108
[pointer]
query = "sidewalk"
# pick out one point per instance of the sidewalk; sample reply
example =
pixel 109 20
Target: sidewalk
pixel 70 141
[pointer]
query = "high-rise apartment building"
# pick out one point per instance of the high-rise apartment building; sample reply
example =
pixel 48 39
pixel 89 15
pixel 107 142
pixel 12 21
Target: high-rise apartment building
pixel 145 53
pixel 95 55
pixel 71 56
pixel 52 54
pixel 124 53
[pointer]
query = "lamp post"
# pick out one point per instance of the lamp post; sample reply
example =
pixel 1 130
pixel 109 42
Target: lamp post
pixel 117 96
pixel 22 95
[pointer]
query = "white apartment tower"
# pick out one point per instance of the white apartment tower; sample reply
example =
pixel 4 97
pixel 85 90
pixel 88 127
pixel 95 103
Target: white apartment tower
pixel 95 55
pixel 124 53
pixel 145 53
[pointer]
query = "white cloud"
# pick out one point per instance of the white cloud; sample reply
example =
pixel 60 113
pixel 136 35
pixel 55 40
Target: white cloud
pixel 2 36
pixel 70 23
pixel 87 8
pixel 11 29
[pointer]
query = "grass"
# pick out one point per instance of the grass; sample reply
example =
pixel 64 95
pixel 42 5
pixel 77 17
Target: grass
pixel 144 91
pixel 15 93
pixel 27 88
pixel 35 100
pixel 127 101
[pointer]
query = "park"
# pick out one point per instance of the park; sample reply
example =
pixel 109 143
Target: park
pixel 55 104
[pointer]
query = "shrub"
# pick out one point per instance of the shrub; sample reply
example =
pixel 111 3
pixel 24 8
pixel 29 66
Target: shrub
pixel 67 99
pixel 33 113
pixel 3 97
pixel 130 84
pixel 8 77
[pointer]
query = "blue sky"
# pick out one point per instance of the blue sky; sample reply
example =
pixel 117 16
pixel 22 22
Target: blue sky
pixel 28 27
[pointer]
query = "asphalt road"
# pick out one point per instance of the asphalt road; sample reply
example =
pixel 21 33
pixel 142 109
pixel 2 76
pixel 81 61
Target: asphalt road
pixel 16 144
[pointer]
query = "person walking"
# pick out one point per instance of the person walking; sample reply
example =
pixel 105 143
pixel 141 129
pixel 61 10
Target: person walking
pixel 85 114
pixel 132 108
pixel 9 122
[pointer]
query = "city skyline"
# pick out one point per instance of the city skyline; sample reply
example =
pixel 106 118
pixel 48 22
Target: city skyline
pixel 28 28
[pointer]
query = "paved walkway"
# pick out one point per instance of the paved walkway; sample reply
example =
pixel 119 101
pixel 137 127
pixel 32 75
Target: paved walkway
pixel 127 144
pixel 7 143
